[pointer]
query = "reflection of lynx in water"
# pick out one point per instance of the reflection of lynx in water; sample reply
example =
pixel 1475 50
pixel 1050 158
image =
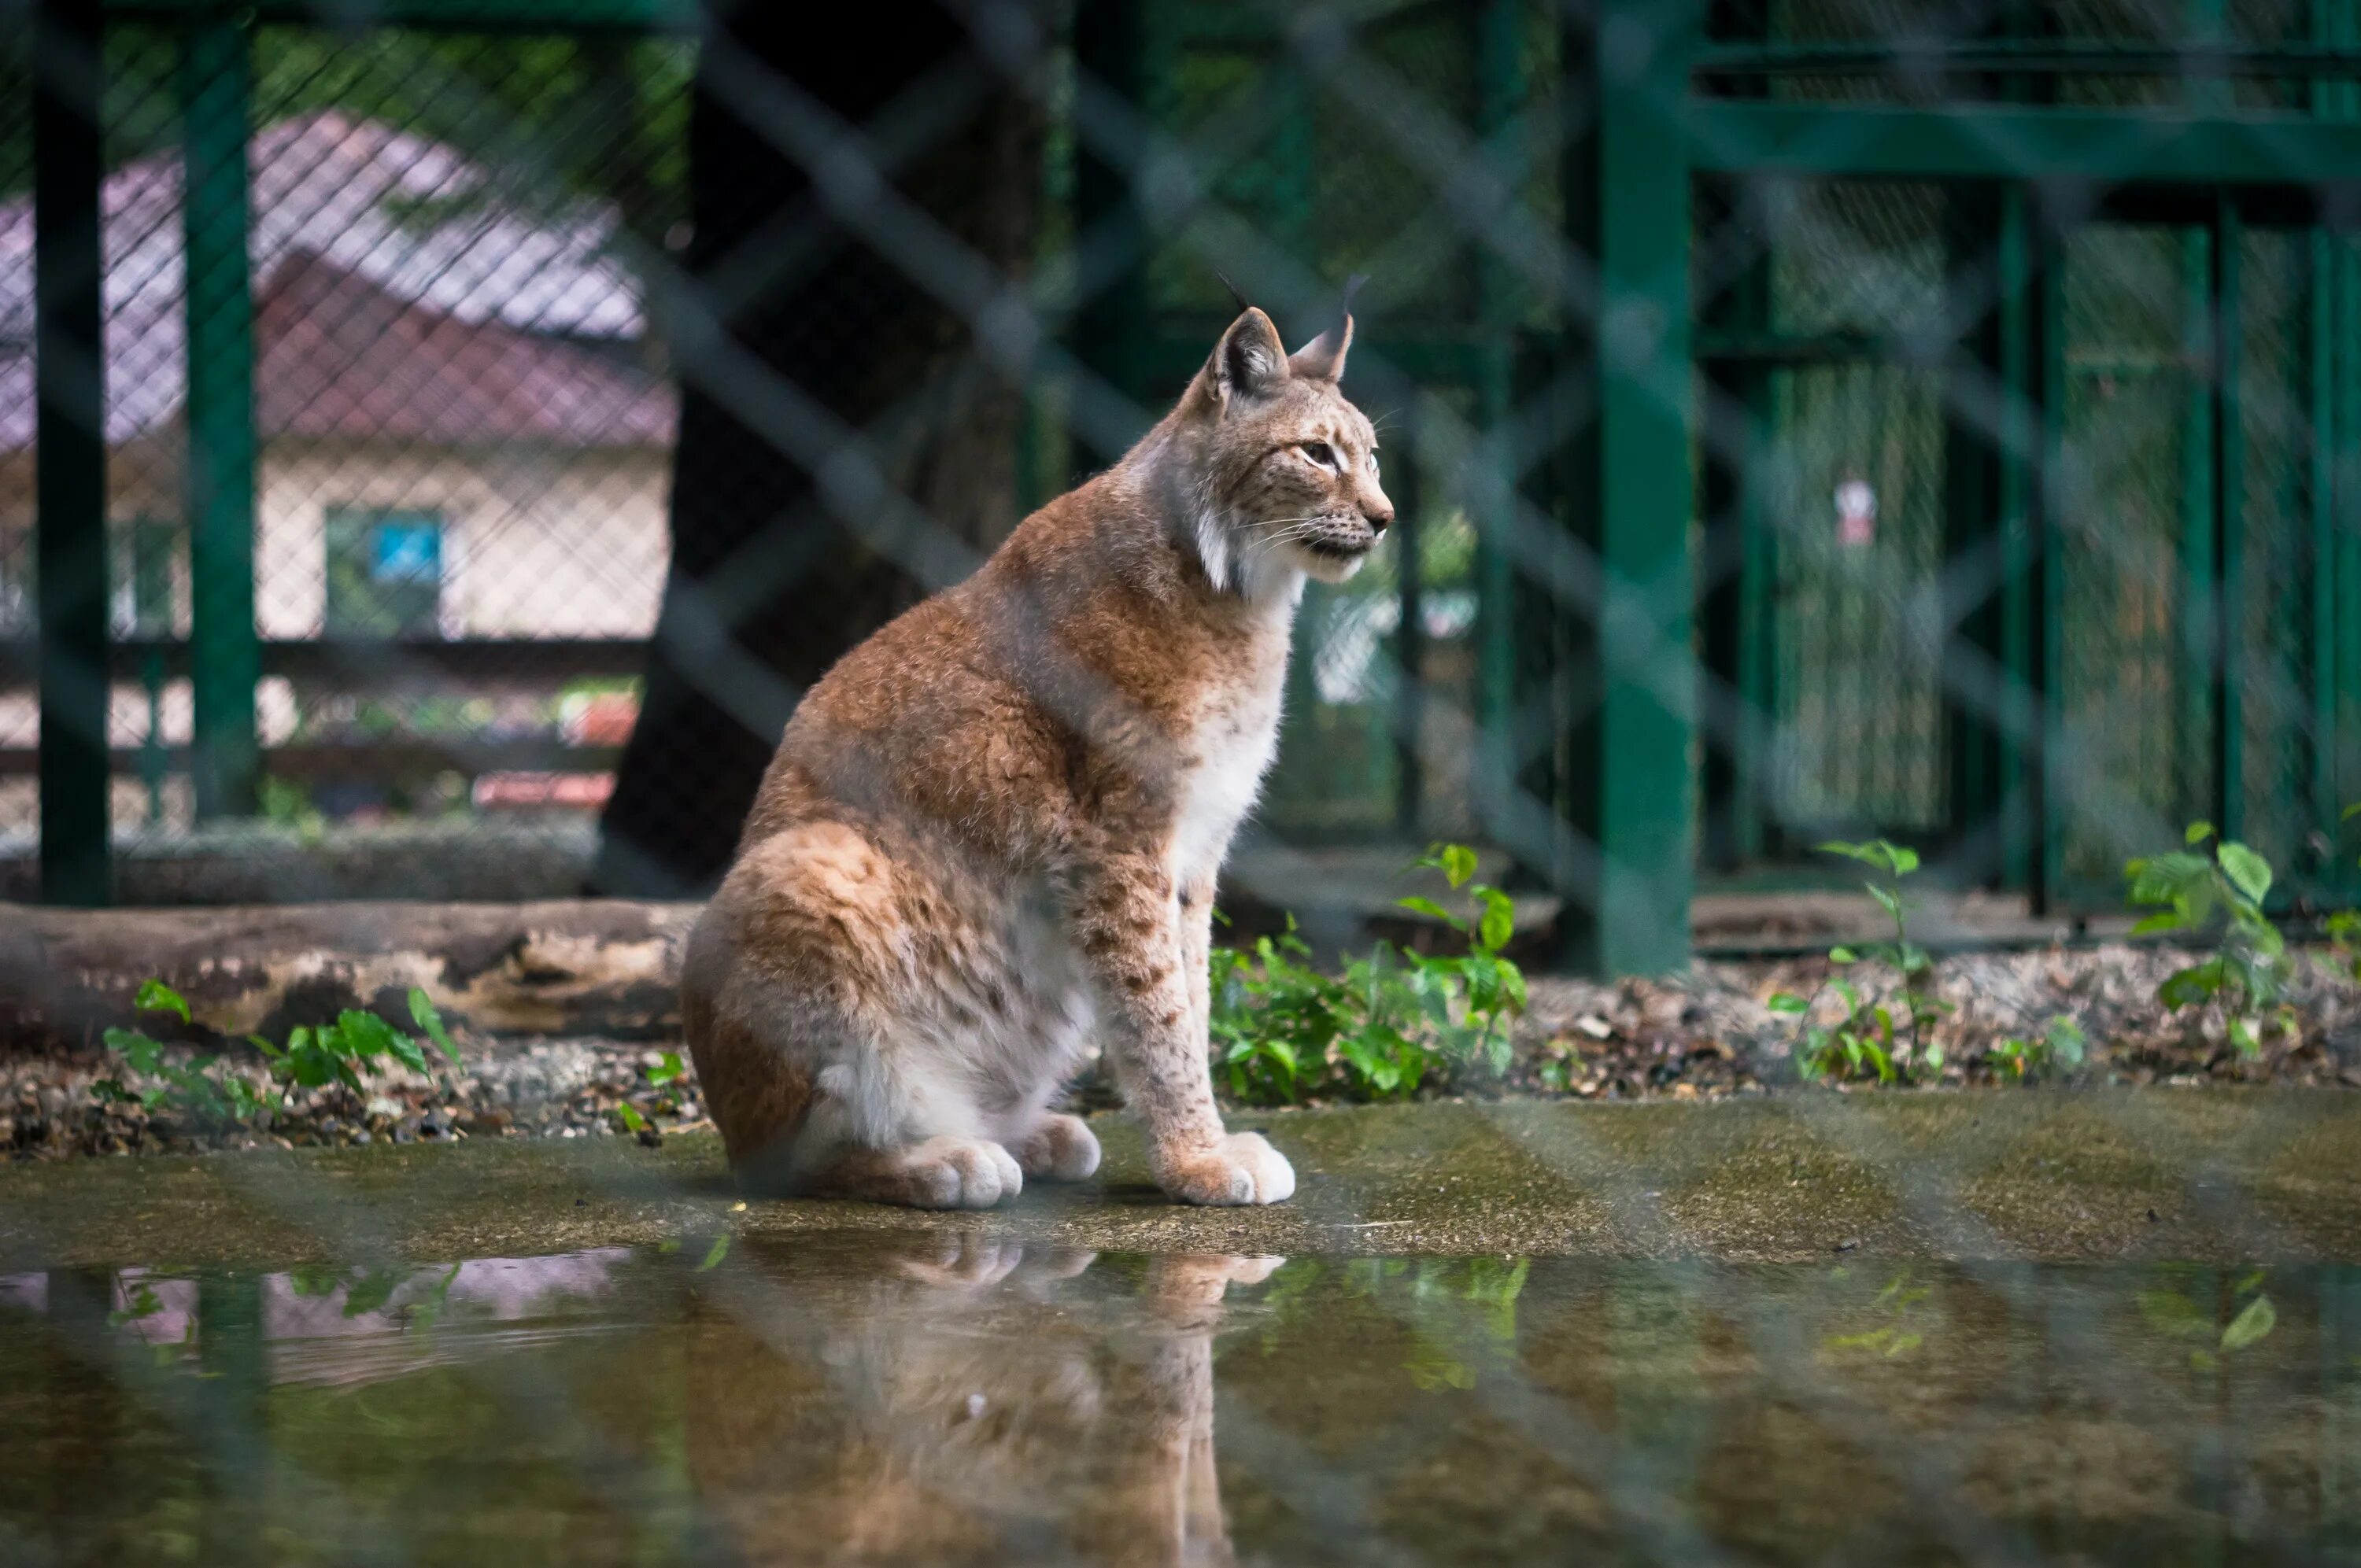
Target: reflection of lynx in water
pixel 992 830
pixel 967 1405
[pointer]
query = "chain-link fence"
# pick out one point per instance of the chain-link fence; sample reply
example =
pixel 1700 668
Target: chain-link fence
pixel 2012 349
pixel 441 441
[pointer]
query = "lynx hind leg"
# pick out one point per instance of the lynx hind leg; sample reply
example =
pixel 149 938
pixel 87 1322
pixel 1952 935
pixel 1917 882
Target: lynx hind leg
pixel 1058 1147
pixel 946 1172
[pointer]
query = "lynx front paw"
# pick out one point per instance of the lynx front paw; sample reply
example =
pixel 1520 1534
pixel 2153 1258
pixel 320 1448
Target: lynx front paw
pixel 1241 1168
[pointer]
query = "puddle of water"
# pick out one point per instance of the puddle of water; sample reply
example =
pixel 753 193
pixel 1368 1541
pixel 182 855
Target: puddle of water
pixel 869 1399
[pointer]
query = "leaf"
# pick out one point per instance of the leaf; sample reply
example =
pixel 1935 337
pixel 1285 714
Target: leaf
pixel 2163 879
pixel 715 1253
pixel 1456 862
pixel 1843 956
pixel 1786 1002
pixel 364 1035
pixel 137 1048
pixel 376 1288
pixel 422 1013
pixel 2252 1325
pixel 632 1119
pixel 2247 872
pixel 1499 922
pixel 2243 1035
pixel 155 996
pixel 2066 1041
pixel 669 1068
pixel 1887 856
pixel 1886 898
pixel 1432 911
pixel 2170 1312
pixel 2192 986
pixel 2162 920
pixel 2197 833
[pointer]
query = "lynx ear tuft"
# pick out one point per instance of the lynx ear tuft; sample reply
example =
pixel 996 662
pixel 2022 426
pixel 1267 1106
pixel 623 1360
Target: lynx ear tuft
pixel 1323 359
pixel 1250 361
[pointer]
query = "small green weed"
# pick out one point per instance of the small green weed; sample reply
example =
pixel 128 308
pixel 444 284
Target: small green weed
pixel 2059 1049
pixel 2213 888
pixel 2175 1316
pixel 1865 1043
pixel 1899 1333
pixel 347 1052
pixel 1282 1029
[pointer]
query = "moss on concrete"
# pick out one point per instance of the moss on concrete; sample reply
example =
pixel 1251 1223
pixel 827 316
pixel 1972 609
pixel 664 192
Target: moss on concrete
pixel 2223 1175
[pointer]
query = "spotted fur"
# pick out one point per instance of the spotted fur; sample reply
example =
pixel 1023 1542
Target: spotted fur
pixel 991 834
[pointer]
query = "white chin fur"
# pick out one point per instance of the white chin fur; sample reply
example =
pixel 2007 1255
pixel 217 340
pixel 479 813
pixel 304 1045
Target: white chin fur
pixel 1328 568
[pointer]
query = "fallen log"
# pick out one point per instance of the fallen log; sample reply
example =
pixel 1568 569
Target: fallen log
pixel 591 967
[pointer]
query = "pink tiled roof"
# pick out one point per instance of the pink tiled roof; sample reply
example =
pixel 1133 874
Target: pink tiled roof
pixel 340 356
pixel 406 221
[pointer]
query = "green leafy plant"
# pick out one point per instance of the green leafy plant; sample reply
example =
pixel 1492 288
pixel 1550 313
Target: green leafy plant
pixel 2213 889
pixel 1389 1023
pixel 347 1052
pixel 1866 1043
pixel 2059 1047
pixel 2175 1316
pixel 1898 1333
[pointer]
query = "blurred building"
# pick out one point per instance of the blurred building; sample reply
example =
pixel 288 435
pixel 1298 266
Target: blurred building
pixel 462 432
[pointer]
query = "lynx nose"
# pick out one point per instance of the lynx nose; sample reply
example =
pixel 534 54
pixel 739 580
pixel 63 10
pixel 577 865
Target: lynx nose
pixel 1380 516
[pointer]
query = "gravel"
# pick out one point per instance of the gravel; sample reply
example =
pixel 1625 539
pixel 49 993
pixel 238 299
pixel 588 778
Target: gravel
pixel 51 1109
pixel 1706 1035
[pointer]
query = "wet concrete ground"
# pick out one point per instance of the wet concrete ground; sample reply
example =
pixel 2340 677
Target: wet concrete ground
pixel 1901 1328
pixel 2214 1175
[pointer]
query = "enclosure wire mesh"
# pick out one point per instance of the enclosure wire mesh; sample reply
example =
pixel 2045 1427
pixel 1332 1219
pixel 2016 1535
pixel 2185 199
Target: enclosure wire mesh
pixel 477 294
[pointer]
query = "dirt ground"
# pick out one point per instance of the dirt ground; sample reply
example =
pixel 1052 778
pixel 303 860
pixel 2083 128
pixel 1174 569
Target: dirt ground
pixel 1708 1035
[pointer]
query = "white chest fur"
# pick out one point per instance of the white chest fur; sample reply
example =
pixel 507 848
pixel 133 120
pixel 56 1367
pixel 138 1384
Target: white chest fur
pixel 1236 736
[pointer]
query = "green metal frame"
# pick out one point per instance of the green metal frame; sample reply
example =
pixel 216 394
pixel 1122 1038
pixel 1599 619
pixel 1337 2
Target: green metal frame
pixel 217 108
pixel 1632 692
pixel 69 531
pixel 2009 145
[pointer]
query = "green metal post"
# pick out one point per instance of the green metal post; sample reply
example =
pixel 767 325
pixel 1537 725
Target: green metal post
pixel 2336 542
pixel 70 495
pixel 2201 603
pixel 2320 677
pixel 2050 805
pixel 2018 473
pixel 1498 83
pixel 1634 695
pixel 1408 490
pixel 1972 520
pixel 1110 327
pixel 2230 528
pixel 226 656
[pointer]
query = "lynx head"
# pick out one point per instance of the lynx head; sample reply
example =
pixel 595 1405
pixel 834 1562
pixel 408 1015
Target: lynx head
pixel 1281 470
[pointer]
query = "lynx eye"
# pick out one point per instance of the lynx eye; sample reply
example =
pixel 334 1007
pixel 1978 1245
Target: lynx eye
pixel 1320 452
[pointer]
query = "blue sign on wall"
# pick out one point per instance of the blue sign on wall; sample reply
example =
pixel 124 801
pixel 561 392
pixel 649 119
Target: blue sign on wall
pixel 407 550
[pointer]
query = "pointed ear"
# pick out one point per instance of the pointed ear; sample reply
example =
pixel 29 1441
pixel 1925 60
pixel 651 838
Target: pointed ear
pixel 1249 360
pixel 1323 359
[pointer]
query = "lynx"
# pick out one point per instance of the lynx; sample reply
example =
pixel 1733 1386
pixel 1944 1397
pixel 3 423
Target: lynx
pixel 990 833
